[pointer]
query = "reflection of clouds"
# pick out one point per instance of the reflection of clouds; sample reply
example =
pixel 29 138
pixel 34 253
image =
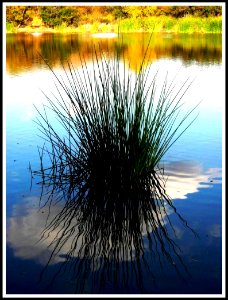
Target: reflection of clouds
pixel 186 177
pixel 208 83
pixel 24 231
pixel 27 222
pixel 215 230
pixel 15 176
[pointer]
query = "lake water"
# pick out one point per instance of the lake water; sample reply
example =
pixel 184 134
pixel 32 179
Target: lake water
pixel 193 164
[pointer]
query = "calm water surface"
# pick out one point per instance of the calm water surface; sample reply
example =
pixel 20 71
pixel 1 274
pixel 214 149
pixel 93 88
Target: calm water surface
pixel 193 164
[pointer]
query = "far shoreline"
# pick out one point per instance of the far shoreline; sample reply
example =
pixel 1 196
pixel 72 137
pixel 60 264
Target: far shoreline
pixel 188 25
pixel 29 30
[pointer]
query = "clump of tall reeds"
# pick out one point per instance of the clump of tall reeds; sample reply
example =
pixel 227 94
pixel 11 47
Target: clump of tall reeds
pixel 106 165
pixel 117 129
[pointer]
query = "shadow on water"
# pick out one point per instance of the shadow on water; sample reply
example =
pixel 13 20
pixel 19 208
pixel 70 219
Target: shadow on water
pixel 115 216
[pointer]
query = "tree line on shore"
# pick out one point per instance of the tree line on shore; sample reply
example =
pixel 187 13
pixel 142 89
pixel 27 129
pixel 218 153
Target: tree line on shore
pixel 51 16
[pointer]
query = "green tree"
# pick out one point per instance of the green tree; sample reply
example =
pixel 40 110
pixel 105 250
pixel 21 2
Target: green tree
pixel 69 16
pixel 55 15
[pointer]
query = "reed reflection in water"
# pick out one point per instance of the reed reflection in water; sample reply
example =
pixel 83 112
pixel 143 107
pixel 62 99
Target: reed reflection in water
pixel 28 221
pixel 115 242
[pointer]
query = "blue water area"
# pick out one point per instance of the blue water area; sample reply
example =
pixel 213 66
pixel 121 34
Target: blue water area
pixel 201 255
pixel 187 260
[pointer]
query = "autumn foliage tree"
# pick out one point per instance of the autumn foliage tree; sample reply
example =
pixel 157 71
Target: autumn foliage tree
pixel 18 15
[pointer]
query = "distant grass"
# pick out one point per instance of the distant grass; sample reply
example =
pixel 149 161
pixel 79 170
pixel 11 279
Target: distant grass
pixel 188 24
pixel 97 27
pixel 199 25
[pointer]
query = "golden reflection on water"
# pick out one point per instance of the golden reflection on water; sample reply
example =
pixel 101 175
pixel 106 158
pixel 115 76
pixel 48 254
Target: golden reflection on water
pixel 22 50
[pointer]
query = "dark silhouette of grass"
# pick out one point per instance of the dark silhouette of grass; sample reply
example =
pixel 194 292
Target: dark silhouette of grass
pixel 106 170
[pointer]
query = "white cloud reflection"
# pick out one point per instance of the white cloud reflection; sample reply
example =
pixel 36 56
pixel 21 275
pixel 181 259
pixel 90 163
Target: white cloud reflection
pixel 24 230
pixel 185 177
pixel 25 225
